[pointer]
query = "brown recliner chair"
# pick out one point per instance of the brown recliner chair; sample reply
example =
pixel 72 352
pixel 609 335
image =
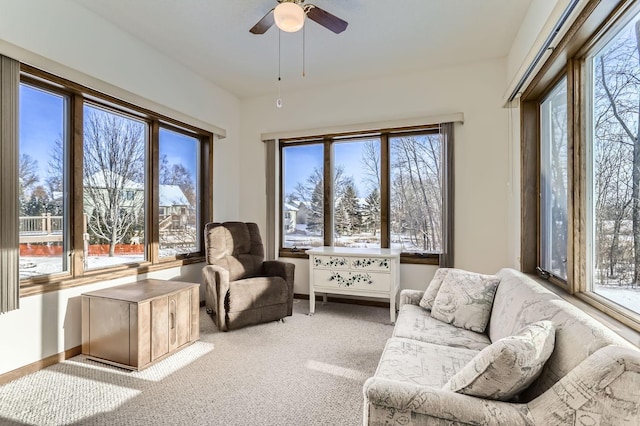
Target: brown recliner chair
pixel 240 287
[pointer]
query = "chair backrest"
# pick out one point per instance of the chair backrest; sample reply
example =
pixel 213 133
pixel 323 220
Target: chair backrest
pixel 235 246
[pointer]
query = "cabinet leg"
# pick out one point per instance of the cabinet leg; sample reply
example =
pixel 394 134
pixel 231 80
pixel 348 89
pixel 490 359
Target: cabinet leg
pixel 324 299
pixel 312 302
pixel 392 310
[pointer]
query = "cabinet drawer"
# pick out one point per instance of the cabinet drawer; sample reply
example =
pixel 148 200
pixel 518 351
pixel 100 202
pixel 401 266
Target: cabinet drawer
pixel 371 263
pixel 334 262
pixel 358 280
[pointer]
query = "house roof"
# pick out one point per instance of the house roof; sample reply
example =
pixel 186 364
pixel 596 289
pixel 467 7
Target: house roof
pixel 172 195
pixel 108 179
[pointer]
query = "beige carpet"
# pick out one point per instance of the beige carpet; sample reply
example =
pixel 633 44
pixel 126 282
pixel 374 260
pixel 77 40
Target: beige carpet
pixel 307 371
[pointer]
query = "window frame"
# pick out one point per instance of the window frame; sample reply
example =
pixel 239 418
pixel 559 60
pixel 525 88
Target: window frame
pixel 68 202
pixel 78 95
pixel 593 26
pixel 200 193
pixel 383 134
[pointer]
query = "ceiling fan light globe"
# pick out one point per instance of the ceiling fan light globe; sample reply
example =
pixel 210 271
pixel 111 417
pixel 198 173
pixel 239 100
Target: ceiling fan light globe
pixel 289 17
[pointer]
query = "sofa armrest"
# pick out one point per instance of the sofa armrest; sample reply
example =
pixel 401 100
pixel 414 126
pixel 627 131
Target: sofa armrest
pixel 216 286
pixel 605 385
pixel 410 297
pixel 437 403
pixel 286 270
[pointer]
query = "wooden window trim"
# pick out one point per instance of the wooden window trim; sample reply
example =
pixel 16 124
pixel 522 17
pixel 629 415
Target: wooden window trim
pixel 594 23
pixel 383 135
pixel 78 96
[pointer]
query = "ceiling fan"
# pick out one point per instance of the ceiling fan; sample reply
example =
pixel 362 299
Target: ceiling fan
pixel 289 15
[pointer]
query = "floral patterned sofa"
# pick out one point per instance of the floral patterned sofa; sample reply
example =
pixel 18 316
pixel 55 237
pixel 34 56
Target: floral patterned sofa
pixel 591 377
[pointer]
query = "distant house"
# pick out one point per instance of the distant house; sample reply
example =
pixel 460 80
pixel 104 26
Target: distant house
pixel 98 190
pixel 290 218
pixel 173 207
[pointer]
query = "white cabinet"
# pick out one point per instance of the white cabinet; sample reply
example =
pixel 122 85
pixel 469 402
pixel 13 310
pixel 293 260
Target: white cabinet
pixel 356 272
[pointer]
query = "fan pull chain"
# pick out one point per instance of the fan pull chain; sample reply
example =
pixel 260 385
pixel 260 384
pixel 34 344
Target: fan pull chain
pixel 304 43
pixel 279 100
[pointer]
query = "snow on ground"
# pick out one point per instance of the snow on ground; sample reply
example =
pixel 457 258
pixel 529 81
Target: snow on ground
pixel 627 297
pixel 33 266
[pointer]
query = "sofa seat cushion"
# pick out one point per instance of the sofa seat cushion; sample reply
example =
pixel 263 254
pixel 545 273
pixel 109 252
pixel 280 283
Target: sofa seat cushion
pixel 256 292
pixel 420 363
pixel 415 323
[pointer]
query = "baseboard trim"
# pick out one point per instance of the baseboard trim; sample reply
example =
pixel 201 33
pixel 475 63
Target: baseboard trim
pixel 39 365
pixel 364 302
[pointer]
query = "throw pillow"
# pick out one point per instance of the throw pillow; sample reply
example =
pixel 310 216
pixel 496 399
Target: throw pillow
pixel 465 299
pixel 508 366
pixel 432 290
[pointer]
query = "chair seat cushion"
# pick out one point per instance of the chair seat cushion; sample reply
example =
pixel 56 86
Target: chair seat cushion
pixel 252 293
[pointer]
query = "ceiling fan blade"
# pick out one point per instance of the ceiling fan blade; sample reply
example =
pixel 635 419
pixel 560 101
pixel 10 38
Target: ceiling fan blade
pixel 326 19
pixel 264 24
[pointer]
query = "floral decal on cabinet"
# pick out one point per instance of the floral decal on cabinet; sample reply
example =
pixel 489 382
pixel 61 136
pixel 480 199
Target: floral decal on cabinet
pixel 367 262
pixel 332 262
pixel 352 279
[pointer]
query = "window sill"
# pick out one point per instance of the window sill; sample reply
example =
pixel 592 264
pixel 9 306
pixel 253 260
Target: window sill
pixel 409 258
pixel 49 284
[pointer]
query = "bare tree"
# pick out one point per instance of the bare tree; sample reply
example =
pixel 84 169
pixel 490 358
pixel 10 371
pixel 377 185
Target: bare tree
pixel 27 173
pixel 114 164
pixel 617 106
pixel 371 163
pixel 178 174
pixel 417 190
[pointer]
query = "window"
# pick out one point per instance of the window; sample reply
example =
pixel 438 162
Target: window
pixel 581 162
pixel 386 189
pixel 114 164
pixel 416 193
pixel 43 222
pixel 553 182
pixel 179 201
pixel 303 189
pixel 356 193
pixel 613 174
pixel 95 174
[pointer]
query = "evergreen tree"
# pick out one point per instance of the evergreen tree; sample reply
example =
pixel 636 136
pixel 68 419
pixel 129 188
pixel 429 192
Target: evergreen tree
pixel 371 211
pixel 347 216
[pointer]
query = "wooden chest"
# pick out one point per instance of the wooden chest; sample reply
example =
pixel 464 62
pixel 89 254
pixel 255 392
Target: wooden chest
pixel 135 325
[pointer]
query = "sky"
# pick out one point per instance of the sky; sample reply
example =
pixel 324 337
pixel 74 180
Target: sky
pixel 42 117
pixel 300 161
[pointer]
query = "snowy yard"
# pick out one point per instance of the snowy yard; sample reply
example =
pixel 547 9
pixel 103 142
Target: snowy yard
pixel 32 266
pixel 627 297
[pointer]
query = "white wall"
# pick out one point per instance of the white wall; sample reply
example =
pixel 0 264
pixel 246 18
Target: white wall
pixel 482 160
pixel 99 55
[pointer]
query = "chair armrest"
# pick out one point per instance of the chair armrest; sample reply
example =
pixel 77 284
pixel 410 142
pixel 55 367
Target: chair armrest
pixel 286 270
pixel 216 286
pixel 394 397
pixel 606 385
pixel 410 297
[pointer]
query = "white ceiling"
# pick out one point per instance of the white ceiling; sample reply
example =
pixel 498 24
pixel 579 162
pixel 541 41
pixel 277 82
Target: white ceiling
pixel 211 37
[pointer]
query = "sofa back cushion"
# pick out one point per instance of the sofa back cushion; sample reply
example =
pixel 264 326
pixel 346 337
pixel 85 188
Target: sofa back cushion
pixel 465 299
pixel 520 300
